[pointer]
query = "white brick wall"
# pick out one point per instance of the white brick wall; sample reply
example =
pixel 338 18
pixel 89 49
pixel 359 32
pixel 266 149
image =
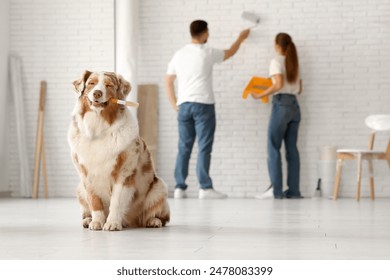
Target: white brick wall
pixel 57 40
pixel 345 67
pixel 343 48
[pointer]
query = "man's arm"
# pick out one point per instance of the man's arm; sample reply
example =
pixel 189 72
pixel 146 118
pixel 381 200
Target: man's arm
pixel 236 45
pixel 170 90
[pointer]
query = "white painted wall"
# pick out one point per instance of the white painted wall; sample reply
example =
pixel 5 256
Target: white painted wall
pixel 4 35
pixel 57 41
pixel 345 62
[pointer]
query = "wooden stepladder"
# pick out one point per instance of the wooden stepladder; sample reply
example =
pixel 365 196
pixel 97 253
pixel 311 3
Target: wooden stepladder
pixel 39 148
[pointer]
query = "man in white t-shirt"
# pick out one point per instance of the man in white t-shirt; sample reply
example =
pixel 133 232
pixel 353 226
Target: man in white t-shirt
pixel 192 66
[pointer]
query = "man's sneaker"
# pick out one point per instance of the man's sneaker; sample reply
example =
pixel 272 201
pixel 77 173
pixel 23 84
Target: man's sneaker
pixel 267 194
pixel 211 194
pixel 286 195
pixel 179 193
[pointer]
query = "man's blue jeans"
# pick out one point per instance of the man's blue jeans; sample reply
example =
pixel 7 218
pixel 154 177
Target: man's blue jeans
pixel 283 126
pixel 195 120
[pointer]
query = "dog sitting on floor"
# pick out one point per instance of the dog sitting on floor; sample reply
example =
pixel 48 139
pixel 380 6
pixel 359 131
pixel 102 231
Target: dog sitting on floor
pixel 118 182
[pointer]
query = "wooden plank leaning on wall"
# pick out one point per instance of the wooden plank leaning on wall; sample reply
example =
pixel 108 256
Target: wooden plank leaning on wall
pixel 148 116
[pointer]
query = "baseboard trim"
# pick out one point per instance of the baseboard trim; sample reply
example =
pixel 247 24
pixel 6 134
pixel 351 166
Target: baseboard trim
pixel 5 194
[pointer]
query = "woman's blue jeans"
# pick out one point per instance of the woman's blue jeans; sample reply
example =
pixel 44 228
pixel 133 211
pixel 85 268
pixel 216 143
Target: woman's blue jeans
pixel 283 126
pixel 195 120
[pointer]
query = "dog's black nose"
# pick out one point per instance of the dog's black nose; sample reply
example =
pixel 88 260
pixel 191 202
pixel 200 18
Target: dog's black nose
pixel 97 94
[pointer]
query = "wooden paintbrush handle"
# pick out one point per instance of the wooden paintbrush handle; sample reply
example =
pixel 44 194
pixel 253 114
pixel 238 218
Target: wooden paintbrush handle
pixel 123 102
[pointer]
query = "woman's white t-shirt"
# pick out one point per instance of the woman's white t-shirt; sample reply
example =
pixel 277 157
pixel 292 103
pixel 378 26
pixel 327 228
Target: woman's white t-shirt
pixel 193 67
pixel 278 66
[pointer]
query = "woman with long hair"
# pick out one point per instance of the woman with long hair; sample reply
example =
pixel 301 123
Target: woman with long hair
pixel 285 118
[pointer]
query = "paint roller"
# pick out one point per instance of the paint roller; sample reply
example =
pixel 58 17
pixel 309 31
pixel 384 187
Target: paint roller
pixel 251 17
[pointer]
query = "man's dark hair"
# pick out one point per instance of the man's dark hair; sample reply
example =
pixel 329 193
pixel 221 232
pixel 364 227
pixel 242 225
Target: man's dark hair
pixel 198 27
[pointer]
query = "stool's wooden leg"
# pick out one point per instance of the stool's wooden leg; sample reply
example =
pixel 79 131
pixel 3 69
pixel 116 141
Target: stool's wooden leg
pixel 337 178
pixel 371 175
pixel 359 176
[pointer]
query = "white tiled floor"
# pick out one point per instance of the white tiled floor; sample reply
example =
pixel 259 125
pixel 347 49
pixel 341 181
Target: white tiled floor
pixel 215 229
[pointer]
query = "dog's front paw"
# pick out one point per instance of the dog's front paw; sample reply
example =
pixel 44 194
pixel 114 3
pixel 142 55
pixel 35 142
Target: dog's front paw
pixel 154 223
pixel 86 222
pixel 95 225
pixel 112 225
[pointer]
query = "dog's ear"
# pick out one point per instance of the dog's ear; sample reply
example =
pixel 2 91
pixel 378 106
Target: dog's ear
pixel 124 86
pixel 79 85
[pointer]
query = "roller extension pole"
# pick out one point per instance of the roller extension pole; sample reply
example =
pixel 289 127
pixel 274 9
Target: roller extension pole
pixel 39 144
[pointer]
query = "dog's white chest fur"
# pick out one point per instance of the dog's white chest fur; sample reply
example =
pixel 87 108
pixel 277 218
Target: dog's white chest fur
pixel 93 126
pixel 98 143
